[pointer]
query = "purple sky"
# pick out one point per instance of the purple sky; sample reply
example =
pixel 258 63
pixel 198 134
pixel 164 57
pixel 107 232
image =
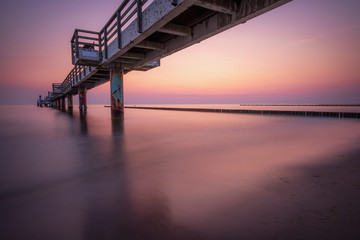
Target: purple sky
pixel 306 51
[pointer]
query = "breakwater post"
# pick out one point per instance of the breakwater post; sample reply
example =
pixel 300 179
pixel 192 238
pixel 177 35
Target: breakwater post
pixel 262 112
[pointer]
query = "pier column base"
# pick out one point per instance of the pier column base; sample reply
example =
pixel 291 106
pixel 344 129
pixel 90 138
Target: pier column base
pixel 70 102
pixel 82 99
pixel 62 103
pixel 116 92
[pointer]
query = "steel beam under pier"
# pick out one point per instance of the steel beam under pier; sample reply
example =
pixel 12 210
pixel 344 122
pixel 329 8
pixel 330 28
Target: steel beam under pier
pixel 82 100
pixel 117 92
pixel 70 102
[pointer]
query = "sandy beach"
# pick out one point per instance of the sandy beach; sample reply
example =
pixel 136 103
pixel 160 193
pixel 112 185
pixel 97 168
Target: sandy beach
pixel 320 201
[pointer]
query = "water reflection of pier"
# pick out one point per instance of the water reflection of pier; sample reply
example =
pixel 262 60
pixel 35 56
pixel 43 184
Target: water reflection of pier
pixel 116 202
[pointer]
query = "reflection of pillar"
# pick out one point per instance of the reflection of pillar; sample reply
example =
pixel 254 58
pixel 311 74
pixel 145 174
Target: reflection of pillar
pixel 63 103
pixel 82 99
pixel 70 102
pixel 117 92
pixel 117 126
pixel 83 122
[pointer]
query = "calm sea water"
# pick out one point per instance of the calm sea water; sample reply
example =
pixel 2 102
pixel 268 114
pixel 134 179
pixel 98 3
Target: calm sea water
pixel 163 174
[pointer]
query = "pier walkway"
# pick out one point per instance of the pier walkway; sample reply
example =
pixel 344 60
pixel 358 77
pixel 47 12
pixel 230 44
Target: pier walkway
pixel 138 35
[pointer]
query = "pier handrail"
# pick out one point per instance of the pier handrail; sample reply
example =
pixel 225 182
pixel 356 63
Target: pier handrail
pixel 75 75
pixel 113 27
pixel 118 20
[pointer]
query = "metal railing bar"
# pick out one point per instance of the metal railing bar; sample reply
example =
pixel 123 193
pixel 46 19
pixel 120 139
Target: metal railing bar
pixel 77 44
pixel 89 38
pixel 92 44
pixel 100 51
pixel 118 21
pixel 112 28
pixel 139 16
pixel 129 17
pixel 123 4
pixel 111 35
pixel 128 9
pixel 105 44
pixel 86 31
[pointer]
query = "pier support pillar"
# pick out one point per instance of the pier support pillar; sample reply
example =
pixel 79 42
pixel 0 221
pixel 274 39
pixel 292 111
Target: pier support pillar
pixel 82 99
pixel 70 102
pixel 116 92
pixel 63 103
pixel 58 103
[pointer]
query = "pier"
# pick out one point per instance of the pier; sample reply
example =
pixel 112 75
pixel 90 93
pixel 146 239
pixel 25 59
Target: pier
pixel 137 36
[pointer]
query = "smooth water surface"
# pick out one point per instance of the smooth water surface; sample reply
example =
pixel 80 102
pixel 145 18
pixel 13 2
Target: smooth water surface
pixel 168 174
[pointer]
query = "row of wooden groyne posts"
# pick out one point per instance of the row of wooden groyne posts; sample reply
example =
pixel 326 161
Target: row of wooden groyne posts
pixel 61 105
pixel 261 112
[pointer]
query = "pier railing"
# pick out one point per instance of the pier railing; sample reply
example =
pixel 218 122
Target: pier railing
pixel 75 76
pixel 99 41
pixel 85 41
pixel 57 88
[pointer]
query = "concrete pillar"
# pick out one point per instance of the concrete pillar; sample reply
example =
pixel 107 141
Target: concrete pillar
pixel 70 102
pixel 82 99
pixel 58 103
pixel 63 103
pixel 117 92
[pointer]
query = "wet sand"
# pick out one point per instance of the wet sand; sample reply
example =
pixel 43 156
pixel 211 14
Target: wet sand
pixel 322 201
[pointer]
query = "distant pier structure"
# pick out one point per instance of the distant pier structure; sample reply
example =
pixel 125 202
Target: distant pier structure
pixel 137 36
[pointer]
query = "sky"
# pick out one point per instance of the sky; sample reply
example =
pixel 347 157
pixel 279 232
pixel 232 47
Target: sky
pixel 307 51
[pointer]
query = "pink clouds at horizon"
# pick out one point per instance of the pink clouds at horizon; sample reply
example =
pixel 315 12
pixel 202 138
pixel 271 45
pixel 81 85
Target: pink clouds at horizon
pixel 303 52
